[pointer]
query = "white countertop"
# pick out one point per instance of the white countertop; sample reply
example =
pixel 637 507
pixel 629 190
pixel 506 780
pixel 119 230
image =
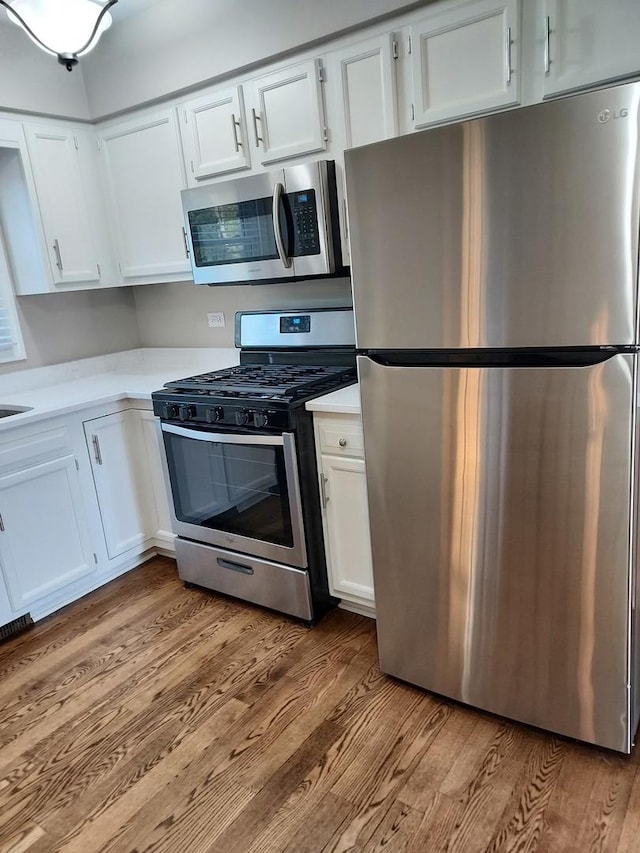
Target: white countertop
pixel 344 401
pixel 63 388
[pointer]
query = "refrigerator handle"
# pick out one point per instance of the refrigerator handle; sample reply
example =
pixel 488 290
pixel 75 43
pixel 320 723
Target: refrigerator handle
pixel 507 59
pixel 275 212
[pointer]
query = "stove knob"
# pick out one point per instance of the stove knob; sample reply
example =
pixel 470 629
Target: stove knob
pixel 261 419
pixel 242 417
pixel 214 415
pixel 169 411
pixel 185 413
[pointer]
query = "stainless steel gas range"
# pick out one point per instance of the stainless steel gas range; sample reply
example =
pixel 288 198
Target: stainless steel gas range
pixel 240 460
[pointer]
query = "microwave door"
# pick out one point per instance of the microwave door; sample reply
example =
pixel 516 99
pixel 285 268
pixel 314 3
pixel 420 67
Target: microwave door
pixel 231 234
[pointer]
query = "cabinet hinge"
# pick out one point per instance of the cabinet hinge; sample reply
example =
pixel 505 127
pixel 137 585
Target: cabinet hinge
pixel 1 525
pixel 77 464
pixel 98 268
pixel 186 117
pixel 320 73
pixel 409 46
pixel 120 267
pixel 413 113
pixel 192 169
pixel 75 142
pixel 325 133
pixel 95 559
pixel 394 49
pixel 98 145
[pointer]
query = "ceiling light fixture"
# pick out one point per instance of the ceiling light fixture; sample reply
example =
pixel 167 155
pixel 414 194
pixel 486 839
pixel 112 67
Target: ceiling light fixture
pixel 66 30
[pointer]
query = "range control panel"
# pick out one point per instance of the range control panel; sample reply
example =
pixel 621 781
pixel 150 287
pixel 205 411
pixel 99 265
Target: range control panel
pixel 207 415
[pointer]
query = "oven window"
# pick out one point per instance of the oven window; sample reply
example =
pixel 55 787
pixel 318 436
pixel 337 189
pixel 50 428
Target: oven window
pixel 233 233
pixel 235 488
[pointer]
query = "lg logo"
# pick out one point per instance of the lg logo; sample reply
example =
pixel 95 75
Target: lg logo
pixel 605 115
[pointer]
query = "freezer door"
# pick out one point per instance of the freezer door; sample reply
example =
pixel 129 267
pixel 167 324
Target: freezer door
pixel 515 230
pixel 500 520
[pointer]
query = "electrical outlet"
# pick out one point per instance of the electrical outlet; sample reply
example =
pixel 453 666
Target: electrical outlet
pixel 215 319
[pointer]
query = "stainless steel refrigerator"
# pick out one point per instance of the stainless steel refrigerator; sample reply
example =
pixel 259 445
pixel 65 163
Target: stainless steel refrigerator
pixel 495 276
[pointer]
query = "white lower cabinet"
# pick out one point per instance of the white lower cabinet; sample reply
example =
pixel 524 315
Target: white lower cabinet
pixel 345 514
pixel 44 536
pixel 153 464
pixel 119 462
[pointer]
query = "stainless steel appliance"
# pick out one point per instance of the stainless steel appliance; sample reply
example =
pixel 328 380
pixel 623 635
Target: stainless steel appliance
pixel 270 227
pixel 495 271
pixel 240 460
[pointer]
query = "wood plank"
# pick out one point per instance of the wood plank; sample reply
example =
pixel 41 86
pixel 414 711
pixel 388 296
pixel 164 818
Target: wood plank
pixel 150 717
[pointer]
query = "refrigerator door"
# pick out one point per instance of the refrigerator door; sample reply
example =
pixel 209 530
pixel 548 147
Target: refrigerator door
pixel 500 504
pixel 515 230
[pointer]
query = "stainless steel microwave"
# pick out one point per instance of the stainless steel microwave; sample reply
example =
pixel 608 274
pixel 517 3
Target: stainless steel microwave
pixel 276 226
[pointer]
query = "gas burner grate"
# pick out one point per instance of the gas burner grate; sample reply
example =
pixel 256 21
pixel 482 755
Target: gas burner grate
pixel 265 380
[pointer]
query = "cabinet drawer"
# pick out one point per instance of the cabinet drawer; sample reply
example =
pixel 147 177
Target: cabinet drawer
pixel 341 437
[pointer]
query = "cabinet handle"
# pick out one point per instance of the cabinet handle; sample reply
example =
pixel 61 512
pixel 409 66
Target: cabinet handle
pixel 96 449
pixel 508 55
pixel 186 244
pixel 256 119
pixel 342 442
pixel 323 491
pixel 56 249
pixel 547 44
pixel 235 124
pixel 1 525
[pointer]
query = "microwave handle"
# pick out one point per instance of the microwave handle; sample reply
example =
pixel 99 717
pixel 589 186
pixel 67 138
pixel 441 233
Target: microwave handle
pixel 275 212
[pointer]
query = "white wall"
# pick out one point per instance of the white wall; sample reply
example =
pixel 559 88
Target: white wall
pixel 175 315
pixel 177 44
pixel 33 81
pixel 61 327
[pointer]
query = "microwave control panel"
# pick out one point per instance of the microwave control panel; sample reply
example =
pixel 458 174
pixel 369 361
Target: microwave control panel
pixel 304 212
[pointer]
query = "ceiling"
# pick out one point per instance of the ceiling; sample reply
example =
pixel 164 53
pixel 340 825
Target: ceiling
pixel 125 8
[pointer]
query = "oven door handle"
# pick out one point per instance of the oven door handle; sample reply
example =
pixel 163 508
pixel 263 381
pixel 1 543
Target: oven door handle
pixel 275 212
pixel 224 438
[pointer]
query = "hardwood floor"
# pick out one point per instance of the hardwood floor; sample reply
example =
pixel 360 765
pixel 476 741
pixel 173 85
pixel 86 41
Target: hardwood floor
pixel 147 717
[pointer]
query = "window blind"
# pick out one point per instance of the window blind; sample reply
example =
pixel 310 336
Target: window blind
pixel 11 346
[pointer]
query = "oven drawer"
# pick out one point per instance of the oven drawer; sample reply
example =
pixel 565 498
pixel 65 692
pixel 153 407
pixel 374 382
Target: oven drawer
pixel 340 435
pixel 262 582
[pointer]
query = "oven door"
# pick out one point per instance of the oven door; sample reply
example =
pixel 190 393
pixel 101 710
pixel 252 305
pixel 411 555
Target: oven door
pixel 238 491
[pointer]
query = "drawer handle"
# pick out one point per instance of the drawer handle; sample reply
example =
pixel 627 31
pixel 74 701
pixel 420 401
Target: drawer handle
pixel 342 442
pixel 235 567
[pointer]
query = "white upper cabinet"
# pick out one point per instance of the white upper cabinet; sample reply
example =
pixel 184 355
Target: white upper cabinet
pixel 285 112
pixel 214 135
pixel 363 93
pixel 144 174
pixel 63 203
pixel 588 42
pixel 464 60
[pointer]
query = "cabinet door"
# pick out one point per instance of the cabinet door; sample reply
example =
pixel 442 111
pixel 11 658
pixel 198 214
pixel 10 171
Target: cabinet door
pixel 346 526
pixel 64 209
pixel 155 475
pixel 214 135
pixel 363 89
pixel 286 112
pixel 144 173
pixel 588 42
pixel 118 455
pixel 465 60
pixel 44 540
